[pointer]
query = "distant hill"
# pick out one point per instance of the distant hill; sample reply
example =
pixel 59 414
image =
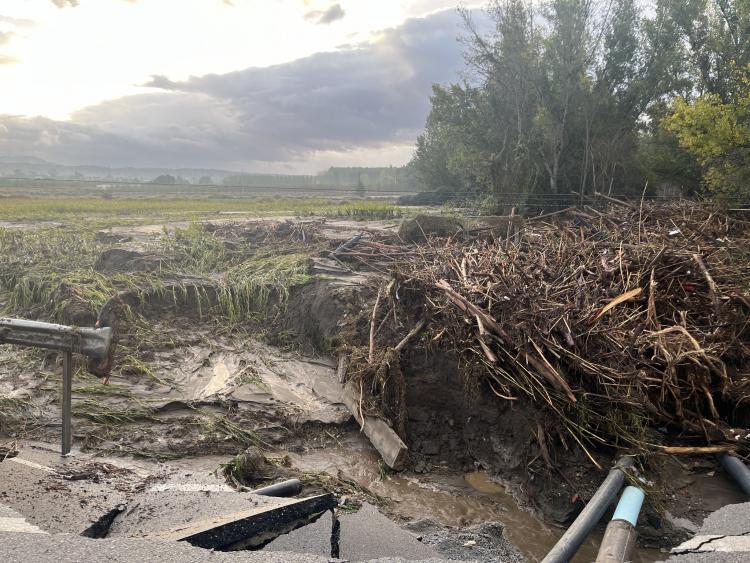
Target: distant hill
pixel 32 167
pixel 368 179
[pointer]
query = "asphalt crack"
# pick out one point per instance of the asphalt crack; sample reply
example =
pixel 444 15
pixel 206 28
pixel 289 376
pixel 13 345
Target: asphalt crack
pixel 697 549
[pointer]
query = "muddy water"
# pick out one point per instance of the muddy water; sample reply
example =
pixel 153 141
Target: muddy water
pixel 453 500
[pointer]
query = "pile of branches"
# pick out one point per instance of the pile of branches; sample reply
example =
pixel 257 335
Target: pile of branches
pixel 629 326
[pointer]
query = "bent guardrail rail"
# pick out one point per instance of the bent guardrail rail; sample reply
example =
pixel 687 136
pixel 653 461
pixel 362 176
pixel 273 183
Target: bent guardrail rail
pixel 92 342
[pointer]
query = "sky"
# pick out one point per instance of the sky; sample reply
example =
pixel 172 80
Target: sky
pixel 289 86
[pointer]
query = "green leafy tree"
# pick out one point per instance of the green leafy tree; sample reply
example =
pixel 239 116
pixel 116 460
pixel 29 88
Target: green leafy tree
pixel 571 95
pixel 717 133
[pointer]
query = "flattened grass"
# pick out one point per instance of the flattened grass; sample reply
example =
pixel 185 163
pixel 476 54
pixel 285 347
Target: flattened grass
pixel 49 273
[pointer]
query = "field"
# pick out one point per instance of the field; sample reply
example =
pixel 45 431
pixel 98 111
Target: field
pixel 140 210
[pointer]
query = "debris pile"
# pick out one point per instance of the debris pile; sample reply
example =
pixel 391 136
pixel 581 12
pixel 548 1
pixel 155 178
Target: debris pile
pixel 629 326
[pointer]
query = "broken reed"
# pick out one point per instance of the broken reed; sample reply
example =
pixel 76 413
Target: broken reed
pixel 611 324
pixel 44 278
pixel 14 413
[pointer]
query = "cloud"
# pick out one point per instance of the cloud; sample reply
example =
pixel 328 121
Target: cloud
pixel 328 16
pixel 7 60
pixel 160 81
pixel 17 22
pixel 5 36
pixel 65 3
pixel 368 97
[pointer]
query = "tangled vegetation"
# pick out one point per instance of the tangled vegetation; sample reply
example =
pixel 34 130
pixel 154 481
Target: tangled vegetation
pixel 624 328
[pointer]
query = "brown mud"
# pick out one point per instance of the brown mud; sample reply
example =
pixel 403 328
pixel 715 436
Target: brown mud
pixel 193 393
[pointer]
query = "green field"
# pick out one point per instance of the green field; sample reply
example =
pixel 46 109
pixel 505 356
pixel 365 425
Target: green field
pixel 88 209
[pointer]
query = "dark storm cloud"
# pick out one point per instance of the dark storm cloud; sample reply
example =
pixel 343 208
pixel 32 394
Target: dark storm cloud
pixel 330 15
pixel 372 96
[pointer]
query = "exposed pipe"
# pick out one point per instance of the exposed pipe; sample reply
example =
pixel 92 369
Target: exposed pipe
pixel 284 489
pixel 629 506
pixel 738 470
pixel 567 546
pixel 619 539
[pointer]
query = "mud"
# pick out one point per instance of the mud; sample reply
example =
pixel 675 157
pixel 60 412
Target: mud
pixel 454 504
pixel 188 387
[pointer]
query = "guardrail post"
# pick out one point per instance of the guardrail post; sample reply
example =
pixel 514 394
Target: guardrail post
pixel 67 411
pixel 92 342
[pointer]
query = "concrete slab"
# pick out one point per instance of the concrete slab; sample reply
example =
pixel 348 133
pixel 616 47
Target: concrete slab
pixel 714 543
pixel 215 519
pixel 365 534
pixel 254 528
pixel 710 558
pixel 42 494
pixel 159 511
pixel 732 520
pixel 63 548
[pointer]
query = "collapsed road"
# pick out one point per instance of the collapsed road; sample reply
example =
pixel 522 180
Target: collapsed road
pixel 229 343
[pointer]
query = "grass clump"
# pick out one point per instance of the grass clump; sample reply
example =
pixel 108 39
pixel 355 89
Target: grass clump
pixel 249 376
pixel 247 287
pixel 195 250
pixel 99 412
pixel 222 426
pixel 143 453
pixel 132 365
pixel 110 389
pixel 13 412
pixel 49 273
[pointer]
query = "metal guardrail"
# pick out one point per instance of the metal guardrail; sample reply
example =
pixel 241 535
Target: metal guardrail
pixel 91 342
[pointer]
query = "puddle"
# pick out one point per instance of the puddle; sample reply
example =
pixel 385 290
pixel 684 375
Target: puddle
pixel 453 500
pixel 533 537
pixel 710 491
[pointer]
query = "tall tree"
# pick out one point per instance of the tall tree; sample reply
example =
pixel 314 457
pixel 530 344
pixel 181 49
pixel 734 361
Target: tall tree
pixel 569 95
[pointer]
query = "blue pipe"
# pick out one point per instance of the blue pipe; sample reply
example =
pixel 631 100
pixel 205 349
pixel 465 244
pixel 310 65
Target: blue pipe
pixel 619 539
pixel 567 546
pixel 630 505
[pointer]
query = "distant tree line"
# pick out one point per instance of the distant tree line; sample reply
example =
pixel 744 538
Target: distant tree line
pixel 362 179
pixel 596 95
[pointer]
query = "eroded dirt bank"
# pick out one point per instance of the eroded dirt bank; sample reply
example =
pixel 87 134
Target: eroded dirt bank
pixel 229 337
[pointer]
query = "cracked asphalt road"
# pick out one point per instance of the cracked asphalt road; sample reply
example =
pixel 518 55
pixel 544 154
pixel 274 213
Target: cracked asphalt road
pixel 723 537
